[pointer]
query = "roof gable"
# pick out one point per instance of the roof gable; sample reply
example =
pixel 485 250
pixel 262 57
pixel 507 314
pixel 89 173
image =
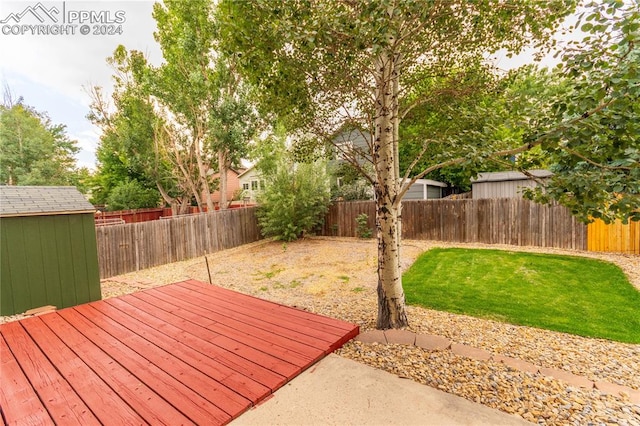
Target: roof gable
pixel 246 171
pixel 42 200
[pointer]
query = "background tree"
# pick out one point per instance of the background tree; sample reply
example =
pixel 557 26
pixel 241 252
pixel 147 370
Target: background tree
pixel 232 121
pixel 131 146
pixel 296 196
pixel 175 125
pixel 132 195
pixel 595 152
pixel 366 63
pixel 34 150
pixel 473 109
pixel 125 151
pixel 184 88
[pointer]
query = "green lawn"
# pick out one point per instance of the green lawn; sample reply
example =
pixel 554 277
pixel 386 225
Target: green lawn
pixel 571 294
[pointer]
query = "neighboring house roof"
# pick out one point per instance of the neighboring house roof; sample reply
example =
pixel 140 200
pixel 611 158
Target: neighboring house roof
pixel 510 176
pixel 238 172
pixel 430 183
pixel 246 171
pixel 42 200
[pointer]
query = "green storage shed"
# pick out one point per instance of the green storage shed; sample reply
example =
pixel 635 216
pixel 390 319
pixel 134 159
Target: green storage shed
pixel 48 248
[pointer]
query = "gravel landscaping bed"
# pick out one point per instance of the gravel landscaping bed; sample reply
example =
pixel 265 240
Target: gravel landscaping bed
pixel 337 277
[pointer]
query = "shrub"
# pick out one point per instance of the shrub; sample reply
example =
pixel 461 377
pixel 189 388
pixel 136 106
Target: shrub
pixel 294 201
pixel 363 230
pixel 132 195
pixel 355 191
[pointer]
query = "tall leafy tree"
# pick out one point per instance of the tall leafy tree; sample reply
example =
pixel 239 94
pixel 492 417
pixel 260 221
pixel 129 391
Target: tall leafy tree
pixel 184 84
pixel 185 119
pixel 232 121
pixel 474 108
pixel 34 150
pixel 595 151
pixel 131 147
pixel 373 63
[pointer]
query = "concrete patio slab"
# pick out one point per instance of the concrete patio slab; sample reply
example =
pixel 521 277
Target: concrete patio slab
pixel 339 391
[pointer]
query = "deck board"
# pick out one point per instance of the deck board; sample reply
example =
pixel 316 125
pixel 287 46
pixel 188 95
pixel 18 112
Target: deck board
pixel 241 317
pixel 233 355
pixel 58 397
pixel 264 341
pixel 103 401
pixel 193 405
pixel 226 337
pixel 235 381
pixel 28 408
pixel 186 353
pixel 273 321
pixel 329 325
pixel 138 395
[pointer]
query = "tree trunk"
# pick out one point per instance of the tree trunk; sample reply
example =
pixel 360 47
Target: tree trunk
pixel 184 205
pixel 165 195
pixel 223 168
pixel 205 189
pixel 204 184
pixel 391 304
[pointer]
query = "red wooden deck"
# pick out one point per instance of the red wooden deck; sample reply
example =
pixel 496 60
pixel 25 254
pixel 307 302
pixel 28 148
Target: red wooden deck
pixel 185 353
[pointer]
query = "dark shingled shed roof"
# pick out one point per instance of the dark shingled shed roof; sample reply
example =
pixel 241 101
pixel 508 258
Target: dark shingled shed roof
pixel 42 200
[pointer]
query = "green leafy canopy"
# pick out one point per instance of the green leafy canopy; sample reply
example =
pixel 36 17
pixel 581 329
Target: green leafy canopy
pixel 34 151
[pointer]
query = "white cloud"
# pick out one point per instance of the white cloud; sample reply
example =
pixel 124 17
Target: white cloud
pixel 50 71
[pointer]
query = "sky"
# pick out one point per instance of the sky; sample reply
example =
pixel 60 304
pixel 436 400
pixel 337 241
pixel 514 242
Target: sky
pixel 52 71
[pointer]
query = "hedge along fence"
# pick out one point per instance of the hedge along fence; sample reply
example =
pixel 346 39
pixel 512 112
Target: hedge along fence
pixel 511 221
pixel 136 246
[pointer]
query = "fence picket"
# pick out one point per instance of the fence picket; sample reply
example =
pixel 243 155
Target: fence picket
pixel 130 247
pixel 492 221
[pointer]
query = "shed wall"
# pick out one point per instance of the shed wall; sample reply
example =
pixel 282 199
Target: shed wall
pixel 417 192
pixel 434 192
pixel 502 189
pixel 48 260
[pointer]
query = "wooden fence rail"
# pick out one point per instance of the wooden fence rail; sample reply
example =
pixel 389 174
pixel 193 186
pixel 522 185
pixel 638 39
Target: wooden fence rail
pixel 492 221
pixel 135 246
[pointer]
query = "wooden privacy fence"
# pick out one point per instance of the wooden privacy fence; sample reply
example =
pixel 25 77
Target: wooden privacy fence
pixel 616 237
pixel 492 221
pixel 133 216
pixel 135 246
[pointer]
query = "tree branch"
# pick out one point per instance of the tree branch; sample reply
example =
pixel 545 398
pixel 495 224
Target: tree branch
pixel 593 163
pixel 517 150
